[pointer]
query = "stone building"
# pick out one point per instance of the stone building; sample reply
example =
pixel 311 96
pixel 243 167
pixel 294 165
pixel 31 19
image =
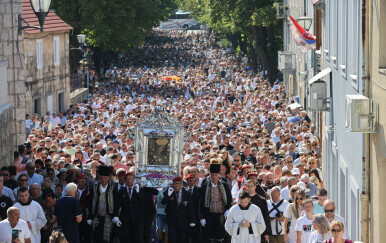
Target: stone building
pixel 12 91
pixel 47 67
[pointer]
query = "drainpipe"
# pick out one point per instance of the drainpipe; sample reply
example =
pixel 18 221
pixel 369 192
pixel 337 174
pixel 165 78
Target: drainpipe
pixel 365 195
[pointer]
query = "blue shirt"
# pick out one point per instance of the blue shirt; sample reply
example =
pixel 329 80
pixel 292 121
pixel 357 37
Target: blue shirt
pixel 36 178
pixel 313 189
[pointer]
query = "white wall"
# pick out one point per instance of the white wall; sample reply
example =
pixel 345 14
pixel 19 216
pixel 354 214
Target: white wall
pixel 344 150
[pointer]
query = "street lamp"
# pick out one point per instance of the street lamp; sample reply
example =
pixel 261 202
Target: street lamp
pixel 41 9
pixel 82 39
pixel 305 22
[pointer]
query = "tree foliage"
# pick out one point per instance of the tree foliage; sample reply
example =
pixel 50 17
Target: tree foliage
pixel 114 25
pixel 251 25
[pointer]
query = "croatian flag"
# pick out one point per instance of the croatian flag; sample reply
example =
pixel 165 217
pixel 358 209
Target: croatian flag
pixel 305 40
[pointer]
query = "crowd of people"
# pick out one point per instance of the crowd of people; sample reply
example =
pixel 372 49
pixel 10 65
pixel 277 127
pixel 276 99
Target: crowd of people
pixel 249 170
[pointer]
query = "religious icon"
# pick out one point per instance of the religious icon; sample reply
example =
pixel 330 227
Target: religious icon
pixel 158 151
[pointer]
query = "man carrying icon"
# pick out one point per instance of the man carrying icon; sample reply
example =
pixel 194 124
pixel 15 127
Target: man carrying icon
pixel 216 200
pixel 179 211
pixel 130 207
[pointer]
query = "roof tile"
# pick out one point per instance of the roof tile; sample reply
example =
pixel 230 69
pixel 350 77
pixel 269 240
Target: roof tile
pixel 52 22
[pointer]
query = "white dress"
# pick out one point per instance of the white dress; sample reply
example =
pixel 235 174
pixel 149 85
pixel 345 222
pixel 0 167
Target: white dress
pixel 34 214
pixel 242 235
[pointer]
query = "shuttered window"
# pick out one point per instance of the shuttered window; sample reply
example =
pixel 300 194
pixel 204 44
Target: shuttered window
pixel 39 54
pixel 56 51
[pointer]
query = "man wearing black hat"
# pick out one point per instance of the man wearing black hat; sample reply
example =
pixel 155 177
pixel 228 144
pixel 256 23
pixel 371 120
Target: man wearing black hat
pixel 216 200
pixel 101 207
pixel 179 211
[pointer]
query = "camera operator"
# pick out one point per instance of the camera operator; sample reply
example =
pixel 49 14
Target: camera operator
pixel 276 208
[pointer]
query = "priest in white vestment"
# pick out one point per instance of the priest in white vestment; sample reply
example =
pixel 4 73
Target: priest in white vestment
pixel 32 213
pixel 245 222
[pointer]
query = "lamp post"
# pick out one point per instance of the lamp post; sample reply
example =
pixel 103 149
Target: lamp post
pixel 82 39
pixel 305 22
pixel 41 9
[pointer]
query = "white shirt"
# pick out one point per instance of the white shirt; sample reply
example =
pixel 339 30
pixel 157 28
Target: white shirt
pixel 281 208
pixel 305 226
pixel 289 214
pixel 6 230
pixel 80 192
pixel 316 237
pixel 285 193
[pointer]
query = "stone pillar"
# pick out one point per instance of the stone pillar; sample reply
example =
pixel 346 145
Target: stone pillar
pixel 12 113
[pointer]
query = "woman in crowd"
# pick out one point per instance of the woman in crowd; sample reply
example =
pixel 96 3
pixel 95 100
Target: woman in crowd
pixel 291 215
pixel 337 232
pixel 321 229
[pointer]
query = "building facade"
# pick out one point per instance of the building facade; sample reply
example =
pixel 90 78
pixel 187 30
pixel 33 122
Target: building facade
pixel 12 92
pixel 47 67
pixel 341 51
pixel 338 28
pixel 376 35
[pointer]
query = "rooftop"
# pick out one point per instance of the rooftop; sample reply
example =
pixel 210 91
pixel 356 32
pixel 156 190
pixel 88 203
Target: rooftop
pixel 52 22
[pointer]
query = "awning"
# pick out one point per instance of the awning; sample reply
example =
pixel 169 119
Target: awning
pixel 320 75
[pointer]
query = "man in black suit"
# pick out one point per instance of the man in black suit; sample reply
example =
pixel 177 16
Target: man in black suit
pixel 130 204
pixel 216 200
pixel 179 211
pixel 194 191
pixel 149 211
pixel 83 194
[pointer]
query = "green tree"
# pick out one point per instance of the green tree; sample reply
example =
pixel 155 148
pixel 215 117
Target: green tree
pixel 113 26
pixel 250 25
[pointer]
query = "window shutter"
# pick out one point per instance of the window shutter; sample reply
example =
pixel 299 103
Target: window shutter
pixel 39 54
pixel 56 51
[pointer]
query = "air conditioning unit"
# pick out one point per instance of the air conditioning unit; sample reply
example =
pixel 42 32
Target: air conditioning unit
pixel 287 61
pixel 360 116
pixel 318 96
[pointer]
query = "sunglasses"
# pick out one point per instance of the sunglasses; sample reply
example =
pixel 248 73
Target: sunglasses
pixel 193 164
pixel 5 174
pixel 336 230
pixel 299 199
pixel 236 160
pixel 329 211
pixel 44 157
pixel 23 179
pixel 30 167
pixel 130 165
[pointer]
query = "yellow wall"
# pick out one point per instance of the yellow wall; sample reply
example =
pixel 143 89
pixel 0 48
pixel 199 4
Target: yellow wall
pixel 378 140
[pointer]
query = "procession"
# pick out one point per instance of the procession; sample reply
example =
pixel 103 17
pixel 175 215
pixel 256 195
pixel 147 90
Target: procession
pixel 180 142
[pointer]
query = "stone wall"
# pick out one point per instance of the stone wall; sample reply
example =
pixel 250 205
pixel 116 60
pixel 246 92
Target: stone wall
pixel 12 113
pixel 6 138
pixel 78 95
pixel 51 79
